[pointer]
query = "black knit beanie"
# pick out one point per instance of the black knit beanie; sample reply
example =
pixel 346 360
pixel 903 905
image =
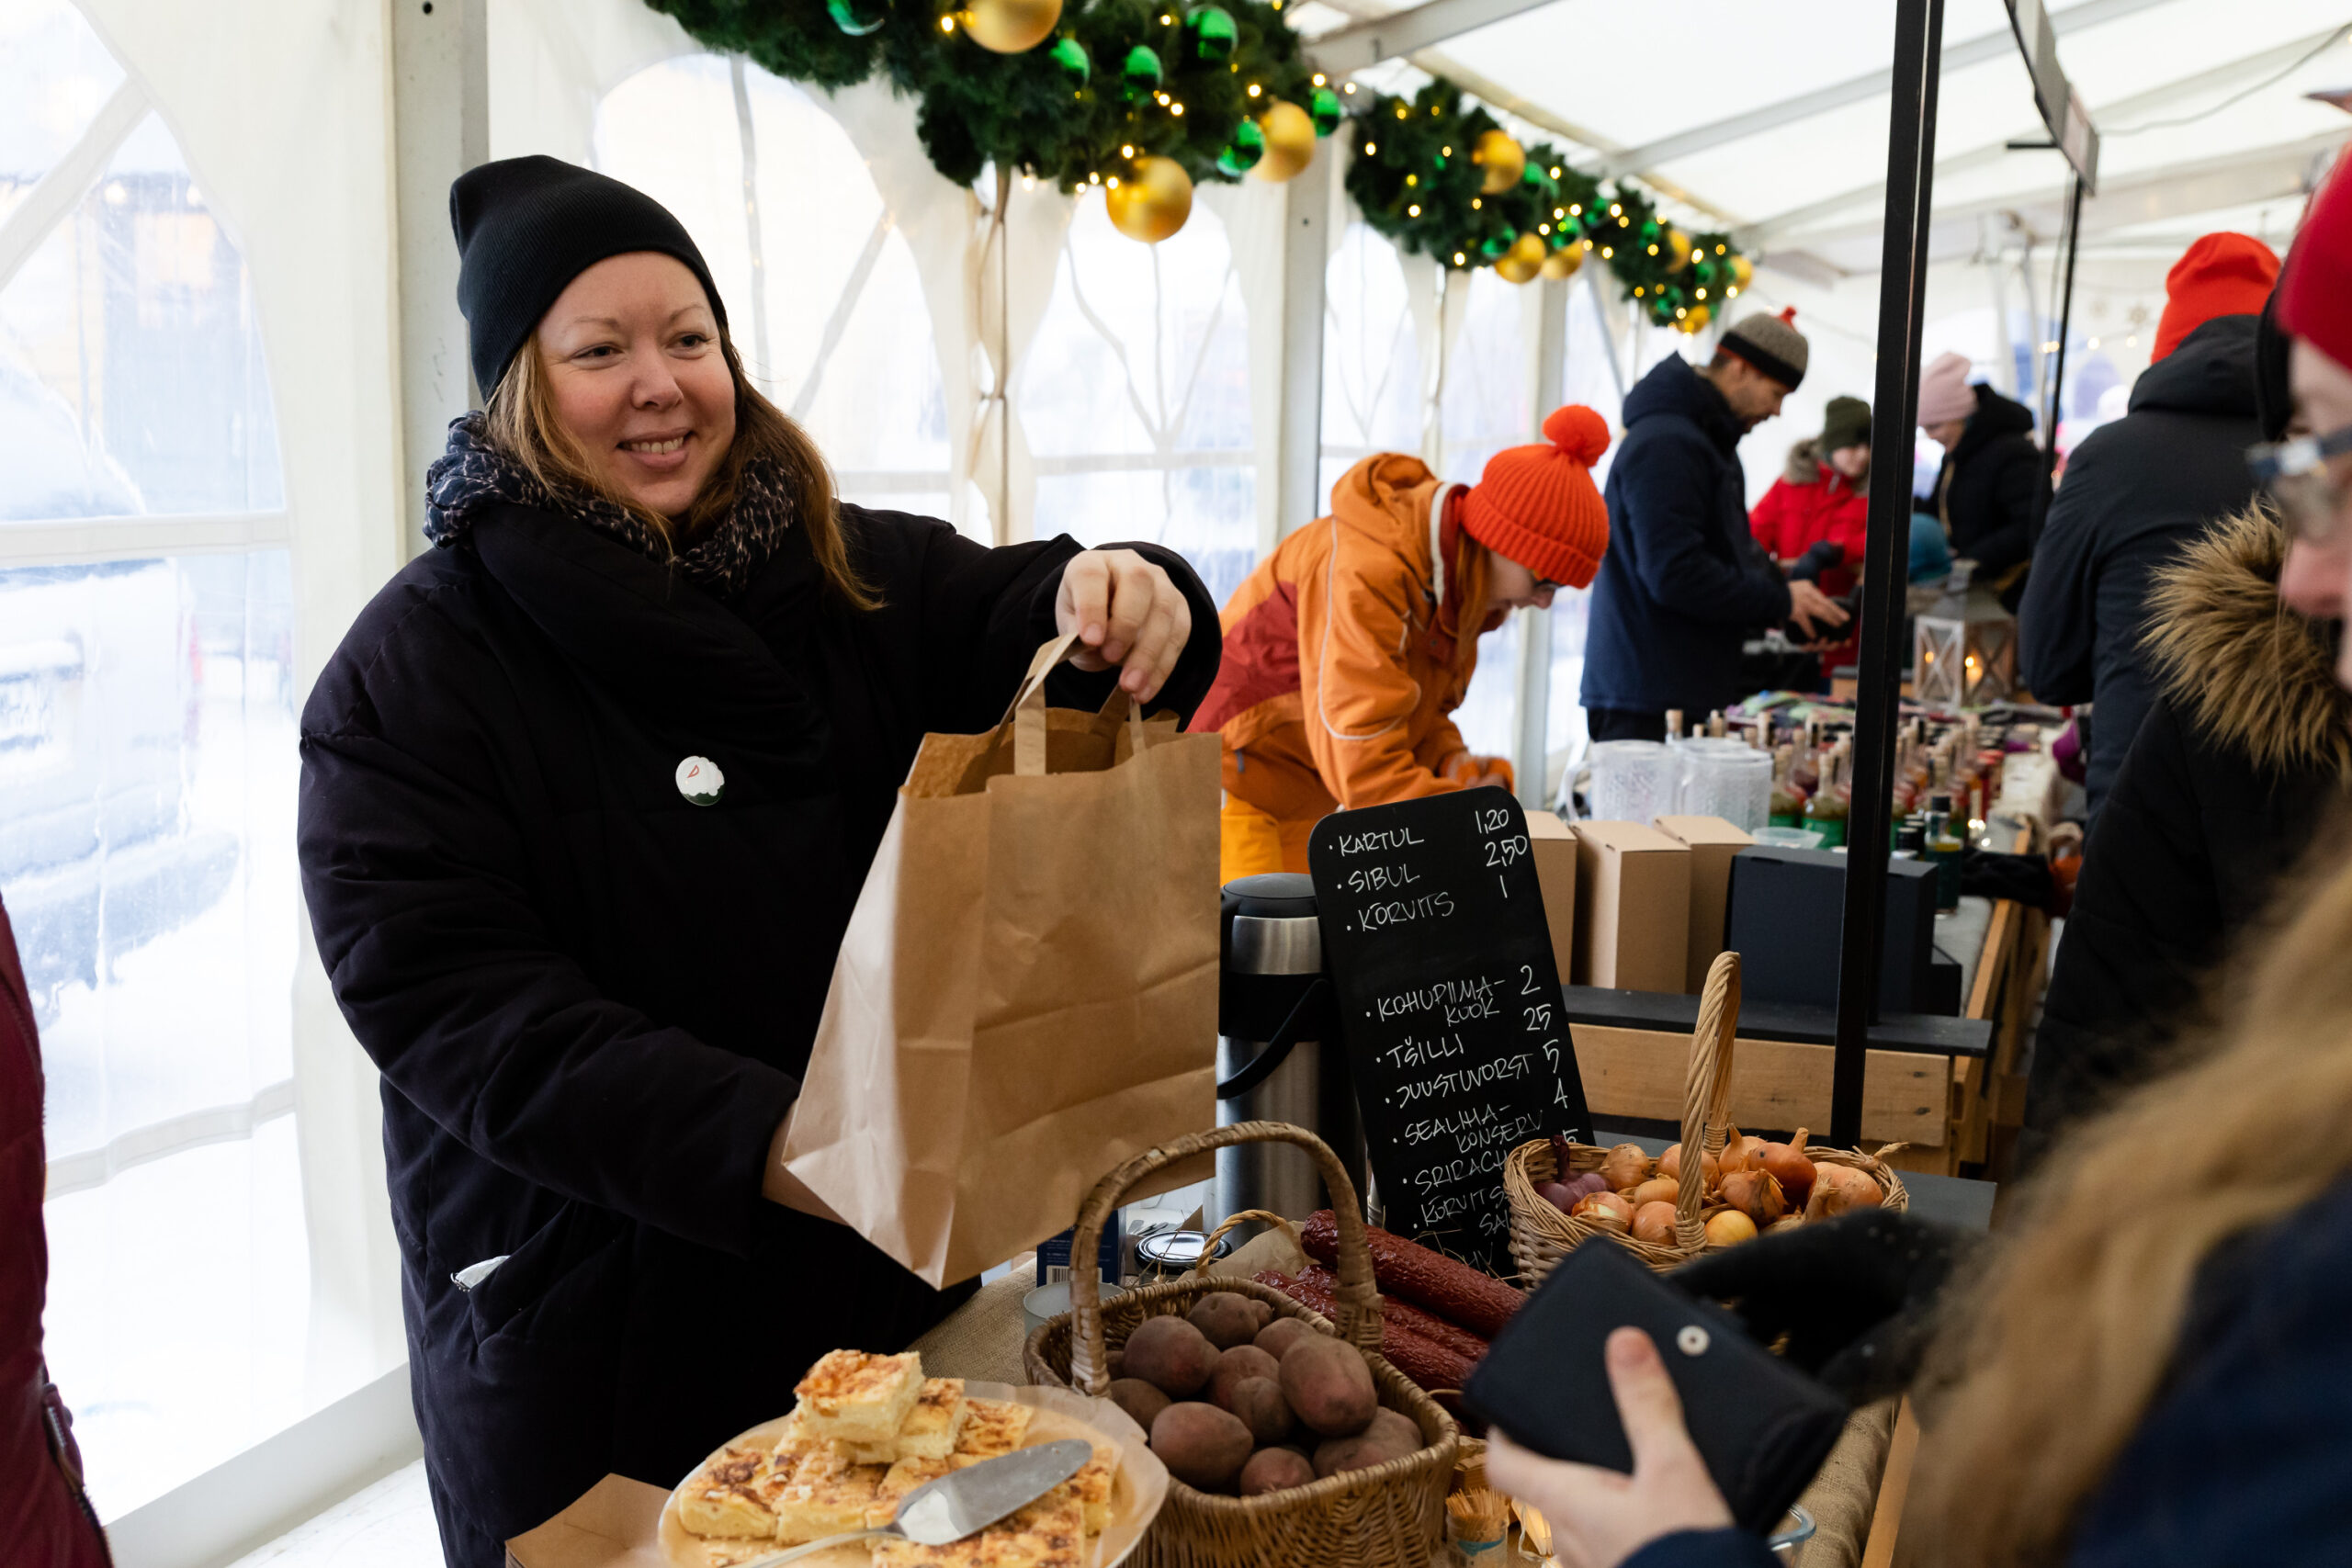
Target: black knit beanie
pixel 526 227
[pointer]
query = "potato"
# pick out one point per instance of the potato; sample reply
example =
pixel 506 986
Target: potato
pixel 1389 1436
pixel 1329 1386
pixel 1282 1334
pixel 1225 1317
pixel 1259 1403
pixel 1139 1399
pixel 1200 1445
pixel 1276 1470
pixel 1243 1362
pixel 1172 1354
pixel 1264 1310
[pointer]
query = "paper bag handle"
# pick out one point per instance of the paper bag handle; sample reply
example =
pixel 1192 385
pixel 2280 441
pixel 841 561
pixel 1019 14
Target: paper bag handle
pixel 1026 712
pixel 1357 1295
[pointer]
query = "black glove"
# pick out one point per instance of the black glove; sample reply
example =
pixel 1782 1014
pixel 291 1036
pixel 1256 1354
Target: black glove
pixel 1818 558
pixel 1853 1294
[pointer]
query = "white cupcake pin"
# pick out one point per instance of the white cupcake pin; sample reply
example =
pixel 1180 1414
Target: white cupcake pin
pixel 700 781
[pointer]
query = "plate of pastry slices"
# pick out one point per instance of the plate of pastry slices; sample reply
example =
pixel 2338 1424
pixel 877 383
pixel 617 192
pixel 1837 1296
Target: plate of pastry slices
pixel 870 1428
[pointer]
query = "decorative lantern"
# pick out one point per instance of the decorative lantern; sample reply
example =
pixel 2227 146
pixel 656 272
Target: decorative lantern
pixel 1964 653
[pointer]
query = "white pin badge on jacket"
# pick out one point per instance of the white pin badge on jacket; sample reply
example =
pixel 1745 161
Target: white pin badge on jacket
pixel 700 781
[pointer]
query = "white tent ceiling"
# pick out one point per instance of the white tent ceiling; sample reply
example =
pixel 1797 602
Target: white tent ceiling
pixel 1773 118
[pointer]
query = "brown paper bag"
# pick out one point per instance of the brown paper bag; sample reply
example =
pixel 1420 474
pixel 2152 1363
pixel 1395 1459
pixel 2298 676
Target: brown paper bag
pixel 1026 994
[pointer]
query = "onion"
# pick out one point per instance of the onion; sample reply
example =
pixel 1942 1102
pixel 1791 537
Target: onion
pixel 1755 1194
pixel 1790 1167
pixel 1837 1187
pixel 1588 1182
pixel 1729 1228
pixel 1559 1197
pixel 1740 1153
pixel 1606 1209
pixel 1656 1190
pixel 1670 1163
pixel 1625 1165
pixel 1654 1223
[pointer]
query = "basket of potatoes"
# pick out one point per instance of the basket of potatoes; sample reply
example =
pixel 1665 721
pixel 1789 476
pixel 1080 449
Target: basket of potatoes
pixel 1287 1438
pixel 1563 1195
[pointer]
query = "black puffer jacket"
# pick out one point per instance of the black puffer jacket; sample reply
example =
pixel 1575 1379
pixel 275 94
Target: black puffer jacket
pixel 2249 742
pixel 590 999
pixel 1993 489
pixel 2135 493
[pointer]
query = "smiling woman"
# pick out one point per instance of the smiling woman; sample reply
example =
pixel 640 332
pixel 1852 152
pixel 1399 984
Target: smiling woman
pixel 589 793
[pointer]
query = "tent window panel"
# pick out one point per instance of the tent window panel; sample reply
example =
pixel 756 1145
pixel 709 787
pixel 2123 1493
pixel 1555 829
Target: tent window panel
pixel 55 74
pixel 1372 364
pixel 1134 397
pixel 131 374
pixel 1484 403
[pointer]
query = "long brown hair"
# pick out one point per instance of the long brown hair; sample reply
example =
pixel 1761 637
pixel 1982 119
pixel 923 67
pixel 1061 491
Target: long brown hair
pixel 522 422
pixel 2051 1361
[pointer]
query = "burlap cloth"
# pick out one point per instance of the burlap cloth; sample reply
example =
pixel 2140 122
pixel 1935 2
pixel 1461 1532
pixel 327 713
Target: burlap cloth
pixel 982 1339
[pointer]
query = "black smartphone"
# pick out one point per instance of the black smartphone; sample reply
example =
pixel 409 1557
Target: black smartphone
pixel 1763 1425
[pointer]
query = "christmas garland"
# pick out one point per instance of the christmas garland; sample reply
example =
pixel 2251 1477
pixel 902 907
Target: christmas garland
pixel 1439 176
pixel 1155 95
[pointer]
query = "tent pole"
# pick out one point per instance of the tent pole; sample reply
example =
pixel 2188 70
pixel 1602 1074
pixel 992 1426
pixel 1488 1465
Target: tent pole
pixel 2054 397
pixel 1903 279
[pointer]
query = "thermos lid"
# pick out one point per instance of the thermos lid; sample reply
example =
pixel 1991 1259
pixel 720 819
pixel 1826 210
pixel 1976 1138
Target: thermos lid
pixel 1270 895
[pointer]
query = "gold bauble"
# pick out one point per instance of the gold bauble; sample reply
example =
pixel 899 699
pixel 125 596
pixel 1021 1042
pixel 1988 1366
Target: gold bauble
pixel 1678 250
pixel 1503 160
pixel 1741 271
pixel 1009 27
pixel 1512 269
pixel 1530 249
pixel 1564 263
pixel 1153 202
pixel 1290 141
pixel 1693 319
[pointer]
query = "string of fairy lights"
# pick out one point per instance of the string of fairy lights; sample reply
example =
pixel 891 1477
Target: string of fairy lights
pixel 1148 98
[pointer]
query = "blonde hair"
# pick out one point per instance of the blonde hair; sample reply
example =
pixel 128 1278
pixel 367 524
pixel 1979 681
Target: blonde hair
pixel 2051 1361
pixel 522 422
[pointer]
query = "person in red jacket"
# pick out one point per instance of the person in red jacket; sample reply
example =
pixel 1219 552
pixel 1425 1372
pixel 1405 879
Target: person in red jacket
pixel 45 1519
pixel 1816 516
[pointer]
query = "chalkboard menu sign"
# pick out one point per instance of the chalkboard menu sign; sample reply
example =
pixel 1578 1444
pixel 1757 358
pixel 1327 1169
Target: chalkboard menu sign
pixel 1434 937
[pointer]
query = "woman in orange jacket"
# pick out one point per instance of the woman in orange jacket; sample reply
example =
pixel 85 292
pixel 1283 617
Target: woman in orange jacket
pixel 1349 647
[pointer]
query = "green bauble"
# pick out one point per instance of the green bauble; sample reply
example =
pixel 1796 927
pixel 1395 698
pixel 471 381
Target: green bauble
pixel 1241 154
pixel 1497 244
pixel 1652 231
pixel 1070 55
pixel 1533 174
pixel 1139 73
pixel 857 18
pixel 1324 110
pixel 1212 32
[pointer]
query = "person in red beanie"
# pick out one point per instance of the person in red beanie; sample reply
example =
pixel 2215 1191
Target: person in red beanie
pixel 2309 475
pixel 2140 490
pixel 1347 648
pixel 45 1519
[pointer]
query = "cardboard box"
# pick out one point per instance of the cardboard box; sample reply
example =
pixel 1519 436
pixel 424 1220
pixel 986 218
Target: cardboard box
pixel 1555 850
pixel 1633 930
pixel 1713 842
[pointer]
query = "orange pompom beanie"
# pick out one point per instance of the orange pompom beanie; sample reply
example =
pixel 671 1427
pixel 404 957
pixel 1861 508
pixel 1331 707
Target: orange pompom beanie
pixel 1536 505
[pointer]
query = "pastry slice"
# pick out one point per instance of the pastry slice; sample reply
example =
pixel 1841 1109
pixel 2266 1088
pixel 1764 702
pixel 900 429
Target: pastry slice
pixel 826 1496
pixel 969 1552
pixel 1048 1533
pixel 991 1427
pixel 1090 1487
pixel 732 1498
pixel 850 1396
pixel 896 1482
pixel 935 1422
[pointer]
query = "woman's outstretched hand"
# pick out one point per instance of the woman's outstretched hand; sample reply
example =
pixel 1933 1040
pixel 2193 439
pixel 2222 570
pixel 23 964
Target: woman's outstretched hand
pixel 1599 1517
pixel 1128 616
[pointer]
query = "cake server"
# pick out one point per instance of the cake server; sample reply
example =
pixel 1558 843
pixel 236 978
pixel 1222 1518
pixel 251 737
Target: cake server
pixel 962 1502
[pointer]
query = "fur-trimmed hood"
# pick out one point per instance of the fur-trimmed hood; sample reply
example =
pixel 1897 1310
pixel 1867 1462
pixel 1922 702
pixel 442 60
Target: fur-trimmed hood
pixel 1806 461
pixel 2245 669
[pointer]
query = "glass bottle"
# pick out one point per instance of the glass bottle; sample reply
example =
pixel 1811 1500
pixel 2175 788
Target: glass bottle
pixel 1944 847
pixel 1825 812
pixel 1787 808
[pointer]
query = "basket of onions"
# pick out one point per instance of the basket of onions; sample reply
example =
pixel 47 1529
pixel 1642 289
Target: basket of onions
pixel 1564 1194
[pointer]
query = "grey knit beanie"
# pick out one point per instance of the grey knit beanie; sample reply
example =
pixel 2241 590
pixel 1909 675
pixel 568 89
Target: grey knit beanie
pixel 1772 344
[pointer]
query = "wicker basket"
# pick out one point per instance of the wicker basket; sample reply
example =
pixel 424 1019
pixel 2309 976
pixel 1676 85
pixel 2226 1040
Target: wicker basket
pixel 1392 1516
pixel 1540 1236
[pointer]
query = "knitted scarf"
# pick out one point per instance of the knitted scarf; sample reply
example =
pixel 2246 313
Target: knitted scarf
pixel 473 475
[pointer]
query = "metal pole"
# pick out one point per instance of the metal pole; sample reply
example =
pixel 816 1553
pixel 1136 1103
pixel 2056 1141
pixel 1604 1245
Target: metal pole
pixel 1903 279
pixel 2056 401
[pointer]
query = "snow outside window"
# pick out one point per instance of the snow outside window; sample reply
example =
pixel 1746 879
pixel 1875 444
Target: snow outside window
pixel 822 297
pixel 147 777
pixel 1134 397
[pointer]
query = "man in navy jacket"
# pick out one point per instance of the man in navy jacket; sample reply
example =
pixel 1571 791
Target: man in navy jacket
pixel 1683 584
